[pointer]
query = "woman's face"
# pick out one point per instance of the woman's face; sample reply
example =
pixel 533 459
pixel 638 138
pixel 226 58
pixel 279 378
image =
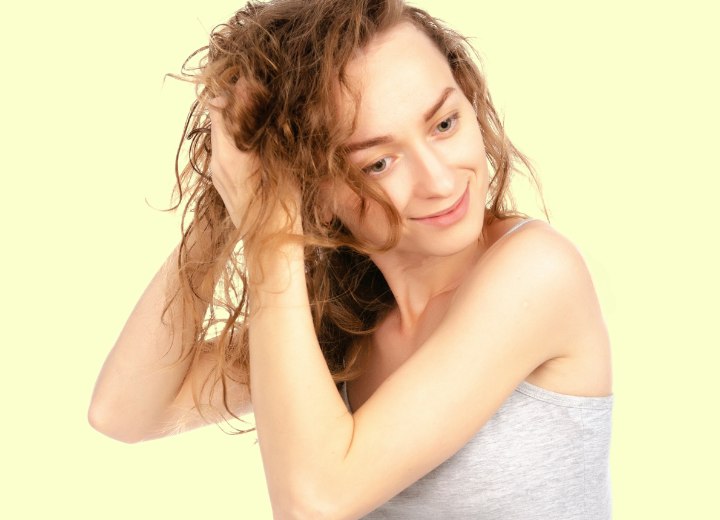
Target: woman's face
pixel 418 138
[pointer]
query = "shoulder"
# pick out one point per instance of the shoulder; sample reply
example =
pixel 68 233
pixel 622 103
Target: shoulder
pixel 535 250
pixel 534 243
pixel 539 277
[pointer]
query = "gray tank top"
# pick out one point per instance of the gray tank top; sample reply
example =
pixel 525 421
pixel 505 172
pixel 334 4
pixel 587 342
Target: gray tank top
pixel 543 455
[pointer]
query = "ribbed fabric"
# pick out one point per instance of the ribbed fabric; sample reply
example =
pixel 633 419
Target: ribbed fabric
pixel 542 456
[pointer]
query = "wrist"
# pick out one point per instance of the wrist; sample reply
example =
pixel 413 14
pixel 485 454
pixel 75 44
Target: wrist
pixel 276 276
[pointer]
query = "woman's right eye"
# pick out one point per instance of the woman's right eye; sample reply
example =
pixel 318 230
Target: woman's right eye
pixel 377 167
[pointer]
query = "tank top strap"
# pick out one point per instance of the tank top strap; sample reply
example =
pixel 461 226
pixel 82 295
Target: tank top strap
pixel 518 226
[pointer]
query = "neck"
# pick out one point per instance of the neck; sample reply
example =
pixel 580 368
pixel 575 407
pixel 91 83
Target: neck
pixel 417 280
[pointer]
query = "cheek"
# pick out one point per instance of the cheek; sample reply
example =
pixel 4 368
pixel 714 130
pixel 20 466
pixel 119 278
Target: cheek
pixel 465 149
pixel 348 208
pixel 474 144
pixel 373 229
pixel 397 188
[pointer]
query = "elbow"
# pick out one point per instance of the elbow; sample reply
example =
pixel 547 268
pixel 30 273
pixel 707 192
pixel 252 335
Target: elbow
pixel 305 503
pixel 105 422
pixel 302 511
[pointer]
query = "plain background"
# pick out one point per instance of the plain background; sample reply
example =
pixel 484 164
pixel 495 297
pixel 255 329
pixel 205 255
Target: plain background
pixel 616 103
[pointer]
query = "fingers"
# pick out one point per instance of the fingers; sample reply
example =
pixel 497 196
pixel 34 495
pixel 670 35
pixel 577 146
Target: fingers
pixel 226 159
pixel 219 102
pixel 217 124
pixel 219 136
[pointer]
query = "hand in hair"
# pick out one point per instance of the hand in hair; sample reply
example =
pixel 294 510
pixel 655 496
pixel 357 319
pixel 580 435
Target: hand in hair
pixel 236 176
pixel 232 170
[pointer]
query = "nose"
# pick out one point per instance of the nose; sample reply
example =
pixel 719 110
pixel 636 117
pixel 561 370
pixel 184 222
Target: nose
pixel 432 175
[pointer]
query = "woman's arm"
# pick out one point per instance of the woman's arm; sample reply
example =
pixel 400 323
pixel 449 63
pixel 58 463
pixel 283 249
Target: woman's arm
pixel 524 304
pixel 139 395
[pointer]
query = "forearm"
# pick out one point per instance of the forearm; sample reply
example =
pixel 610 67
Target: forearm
pixel 138 381
pixel 303 426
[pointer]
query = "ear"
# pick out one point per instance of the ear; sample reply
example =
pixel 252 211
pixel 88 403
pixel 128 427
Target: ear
pixel 327 203
pixel 326 214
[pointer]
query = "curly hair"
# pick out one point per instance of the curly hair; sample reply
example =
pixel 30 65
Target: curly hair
pixel 289 58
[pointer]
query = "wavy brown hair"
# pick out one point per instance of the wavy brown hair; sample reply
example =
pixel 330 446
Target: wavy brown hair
pixel 281 65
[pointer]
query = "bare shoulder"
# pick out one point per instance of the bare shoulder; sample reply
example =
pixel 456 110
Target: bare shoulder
pixel 533 250
pixel 536 250
pixel 537 267
pixel 534 279
pixel 529 241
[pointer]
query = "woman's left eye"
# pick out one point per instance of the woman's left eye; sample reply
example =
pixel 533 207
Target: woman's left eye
pixel 447 124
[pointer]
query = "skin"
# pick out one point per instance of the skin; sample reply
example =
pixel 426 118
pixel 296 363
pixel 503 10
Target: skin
pixel 427 165
pixel 423 169
pixel 478 312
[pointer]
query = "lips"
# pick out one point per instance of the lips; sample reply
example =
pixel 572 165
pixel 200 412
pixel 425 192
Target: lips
pixel 445 211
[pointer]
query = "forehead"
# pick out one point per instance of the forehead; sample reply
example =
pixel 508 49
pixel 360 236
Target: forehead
pixel 398 76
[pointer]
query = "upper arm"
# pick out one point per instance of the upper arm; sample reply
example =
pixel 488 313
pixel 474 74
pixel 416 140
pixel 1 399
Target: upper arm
pixel 516 310
pixel 202 379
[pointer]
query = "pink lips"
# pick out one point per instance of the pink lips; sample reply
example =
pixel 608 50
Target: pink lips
pixel 448 216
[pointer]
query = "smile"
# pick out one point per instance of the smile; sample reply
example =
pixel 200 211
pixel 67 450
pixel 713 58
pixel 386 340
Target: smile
pixel 448 216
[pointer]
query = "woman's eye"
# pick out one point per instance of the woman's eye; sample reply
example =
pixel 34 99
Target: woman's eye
pixel 447 124
pixel 378 166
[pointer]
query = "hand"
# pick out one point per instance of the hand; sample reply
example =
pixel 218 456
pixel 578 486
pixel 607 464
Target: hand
pixel 231 169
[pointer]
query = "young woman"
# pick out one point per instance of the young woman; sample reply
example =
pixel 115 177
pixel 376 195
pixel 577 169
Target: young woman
pixel 412 347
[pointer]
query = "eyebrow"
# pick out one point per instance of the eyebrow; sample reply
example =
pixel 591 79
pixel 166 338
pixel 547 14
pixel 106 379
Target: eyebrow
pixel 440 102
pixel 385 139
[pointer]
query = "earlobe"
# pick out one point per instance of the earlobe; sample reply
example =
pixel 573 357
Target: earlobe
pixel 326 214
pixel 326 201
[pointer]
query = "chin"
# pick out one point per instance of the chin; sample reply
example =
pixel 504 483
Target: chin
pixel 445 242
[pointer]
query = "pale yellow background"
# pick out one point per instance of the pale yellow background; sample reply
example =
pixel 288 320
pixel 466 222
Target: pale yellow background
pixel 615 101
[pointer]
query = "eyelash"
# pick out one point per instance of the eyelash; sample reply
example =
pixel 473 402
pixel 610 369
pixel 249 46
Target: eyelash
pixel 453 118
pixel 368 169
